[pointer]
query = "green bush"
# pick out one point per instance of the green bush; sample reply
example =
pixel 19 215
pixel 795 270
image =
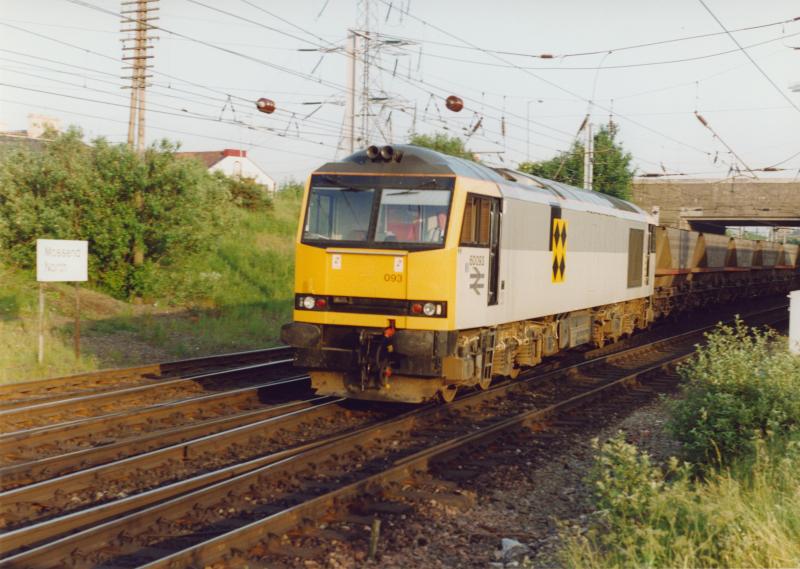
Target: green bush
pixel 741 386
pixel 747 516
pixel 70 190
pixel 246 192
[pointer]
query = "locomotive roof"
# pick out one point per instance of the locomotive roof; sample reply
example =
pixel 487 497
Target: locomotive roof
pixel 414 160
pixel 512 183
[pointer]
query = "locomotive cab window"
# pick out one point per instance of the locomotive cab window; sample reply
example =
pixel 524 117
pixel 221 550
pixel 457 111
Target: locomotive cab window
pixel 338 214
pixel 413 216
pixel 379 212
pixel 476 230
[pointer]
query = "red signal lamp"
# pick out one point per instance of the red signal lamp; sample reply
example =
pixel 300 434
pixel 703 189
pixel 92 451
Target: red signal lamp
pixel 321 303
pixel 265 105
pixel 454 103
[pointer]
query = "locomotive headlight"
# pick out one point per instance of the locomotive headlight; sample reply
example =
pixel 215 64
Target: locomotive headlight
pixel 309 302
pixel 429 309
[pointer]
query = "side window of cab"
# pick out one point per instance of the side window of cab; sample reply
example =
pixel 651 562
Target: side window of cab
pixel 477 225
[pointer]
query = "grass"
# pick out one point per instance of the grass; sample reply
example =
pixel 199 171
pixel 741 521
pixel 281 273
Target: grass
pixel 233 297
pixel 19 325
pixel 240 292
pixel 747 515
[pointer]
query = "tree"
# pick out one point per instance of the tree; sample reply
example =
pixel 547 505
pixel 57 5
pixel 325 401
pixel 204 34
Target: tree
pixel 613 174
pixel 71 190
pixel 443 143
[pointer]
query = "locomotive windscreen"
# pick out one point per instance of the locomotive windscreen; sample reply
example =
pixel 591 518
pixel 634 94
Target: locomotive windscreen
pixel 378 212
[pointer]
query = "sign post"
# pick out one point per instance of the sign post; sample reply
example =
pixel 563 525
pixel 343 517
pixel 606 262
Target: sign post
pixel 60 260
pixel 794 322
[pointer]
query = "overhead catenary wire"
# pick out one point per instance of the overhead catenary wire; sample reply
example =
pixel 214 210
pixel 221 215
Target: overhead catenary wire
pixel 330 45
pixel 705 123
pixel 609 67
pixel 557 86
pixel 753 61
pixel 412 82
pixel 176 114
pixel 221 94
pixel 175 131
pixel 597 51
pixel 202 42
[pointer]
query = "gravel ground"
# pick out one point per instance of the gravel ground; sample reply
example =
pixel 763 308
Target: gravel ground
pixel 515 490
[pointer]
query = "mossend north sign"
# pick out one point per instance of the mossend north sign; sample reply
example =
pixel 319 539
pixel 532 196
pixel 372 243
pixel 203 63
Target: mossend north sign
pixel 60 260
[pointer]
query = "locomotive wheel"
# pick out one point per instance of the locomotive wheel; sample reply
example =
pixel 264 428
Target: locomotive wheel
pixel 447 394
pixel 484 383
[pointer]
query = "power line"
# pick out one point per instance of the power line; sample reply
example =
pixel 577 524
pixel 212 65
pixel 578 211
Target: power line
pixel 753 61
pixel 187 133
pixel 596 52
pixel 223 95
pixel 178 114
pixel 602 67
pixel 556 85
pixel 218 48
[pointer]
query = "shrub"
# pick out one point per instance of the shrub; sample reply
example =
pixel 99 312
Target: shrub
pixel 246 192
pixel 70 190
pixel 747 516
pixel 741 386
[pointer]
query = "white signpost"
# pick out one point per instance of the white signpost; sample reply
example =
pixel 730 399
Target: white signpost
pixel 60 260
pixel 794 322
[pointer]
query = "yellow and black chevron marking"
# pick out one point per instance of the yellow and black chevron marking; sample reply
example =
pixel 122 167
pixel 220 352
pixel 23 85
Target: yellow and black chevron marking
pixel 559 247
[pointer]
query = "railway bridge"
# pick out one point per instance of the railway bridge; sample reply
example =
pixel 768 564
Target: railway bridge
pixel 711 205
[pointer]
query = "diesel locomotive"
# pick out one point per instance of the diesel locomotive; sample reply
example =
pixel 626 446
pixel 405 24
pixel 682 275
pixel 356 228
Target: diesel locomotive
pixel 418 273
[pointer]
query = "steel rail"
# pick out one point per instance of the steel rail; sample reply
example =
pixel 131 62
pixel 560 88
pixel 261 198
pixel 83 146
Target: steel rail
pixel 133 419
pixel 14 393
pixel 37 470
pixel 111 531
pixel 290 416
pixel 77 405
pixel 240 539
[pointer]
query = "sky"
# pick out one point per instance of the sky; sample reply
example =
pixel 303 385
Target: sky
pixel 213 60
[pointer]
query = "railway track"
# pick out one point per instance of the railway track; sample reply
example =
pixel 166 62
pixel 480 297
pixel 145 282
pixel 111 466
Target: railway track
pixel 59 388
pixel 229 514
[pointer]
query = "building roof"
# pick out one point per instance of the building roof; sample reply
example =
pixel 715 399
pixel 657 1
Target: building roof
pixel 11 139
pixel 211 157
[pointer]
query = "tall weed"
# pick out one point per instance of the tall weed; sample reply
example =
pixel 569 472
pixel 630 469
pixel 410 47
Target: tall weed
pixel 745 516
pixel 741 386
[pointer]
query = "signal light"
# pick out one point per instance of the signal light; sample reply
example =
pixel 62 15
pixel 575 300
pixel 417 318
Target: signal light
pixel 387 152
pixel 429 309
pixel 416 308
pixel 454 103
pixel 373 152
pixel 308 302
pixel 265 105
pixel 321 303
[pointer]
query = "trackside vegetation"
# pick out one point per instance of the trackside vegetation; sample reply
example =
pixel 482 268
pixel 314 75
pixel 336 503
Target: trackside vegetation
pixel 734 499
pixel 72 190
pixel 218 256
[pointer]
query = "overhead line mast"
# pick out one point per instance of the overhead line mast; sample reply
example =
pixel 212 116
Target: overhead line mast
pixel 137 12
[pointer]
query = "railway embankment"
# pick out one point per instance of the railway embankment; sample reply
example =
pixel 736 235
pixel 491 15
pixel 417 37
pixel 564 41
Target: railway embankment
pixel 231 297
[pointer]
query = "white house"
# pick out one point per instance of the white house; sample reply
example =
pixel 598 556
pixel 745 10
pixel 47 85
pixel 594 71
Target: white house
pixel 233 163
